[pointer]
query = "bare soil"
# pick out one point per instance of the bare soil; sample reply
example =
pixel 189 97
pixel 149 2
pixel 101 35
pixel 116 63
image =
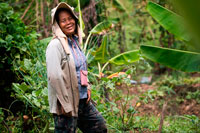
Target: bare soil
pixel 189 107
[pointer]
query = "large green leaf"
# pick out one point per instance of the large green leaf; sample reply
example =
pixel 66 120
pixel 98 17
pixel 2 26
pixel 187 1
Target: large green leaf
pixel 126 58
pixel 191 12
pixel 176 59
pixel 101 54
pixel 101 27
pixel 169 20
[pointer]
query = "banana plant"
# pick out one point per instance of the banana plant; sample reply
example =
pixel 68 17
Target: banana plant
pixel 177 59
pixel 169 20
pixel 101 56
pixel 100 28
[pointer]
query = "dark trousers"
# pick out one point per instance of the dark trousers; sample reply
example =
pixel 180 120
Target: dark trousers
pixel 89 120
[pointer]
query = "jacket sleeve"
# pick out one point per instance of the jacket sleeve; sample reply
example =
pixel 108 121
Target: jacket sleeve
pixel 55 73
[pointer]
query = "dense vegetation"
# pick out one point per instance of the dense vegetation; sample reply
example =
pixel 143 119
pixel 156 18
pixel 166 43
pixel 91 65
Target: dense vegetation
pixel 144 63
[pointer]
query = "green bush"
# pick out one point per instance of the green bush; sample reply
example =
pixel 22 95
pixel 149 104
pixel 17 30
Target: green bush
pixel 24 55
pixel 14 37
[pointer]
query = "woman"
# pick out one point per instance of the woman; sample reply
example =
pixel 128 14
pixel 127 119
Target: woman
pixel 69 93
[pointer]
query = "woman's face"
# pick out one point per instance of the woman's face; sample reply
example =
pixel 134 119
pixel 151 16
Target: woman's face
pixel 67 23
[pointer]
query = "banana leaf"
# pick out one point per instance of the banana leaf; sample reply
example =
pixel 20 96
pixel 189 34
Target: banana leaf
pixel 176 59
pixel 191 12
pixel 125 58
pixel 169 20
pixel 101 27
pixel 101 54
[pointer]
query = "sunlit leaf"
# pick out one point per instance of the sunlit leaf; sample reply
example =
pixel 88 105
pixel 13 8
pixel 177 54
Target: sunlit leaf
pixel 101 54
pixel 101 27
pixel 176 59
pixel 169 20
pixel 27 64
pixel 126 58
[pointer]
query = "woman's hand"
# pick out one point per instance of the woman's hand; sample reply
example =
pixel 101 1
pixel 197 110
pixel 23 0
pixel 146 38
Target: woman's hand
pixel 89 95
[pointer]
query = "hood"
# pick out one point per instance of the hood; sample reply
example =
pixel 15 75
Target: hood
pixel 57 32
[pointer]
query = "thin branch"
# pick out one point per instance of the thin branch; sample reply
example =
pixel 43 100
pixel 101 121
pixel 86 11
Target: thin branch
pixel 162 117
pixel 27 9
pixel 43 18
pixel 4 123
pixel 37 15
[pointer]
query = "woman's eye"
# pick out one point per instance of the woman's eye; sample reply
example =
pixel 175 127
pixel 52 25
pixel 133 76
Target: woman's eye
pixel 63 21
pixel 70 18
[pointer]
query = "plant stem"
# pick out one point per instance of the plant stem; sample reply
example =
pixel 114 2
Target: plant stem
pixel 86 43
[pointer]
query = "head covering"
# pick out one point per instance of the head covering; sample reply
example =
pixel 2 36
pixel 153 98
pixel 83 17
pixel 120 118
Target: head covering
pixel 62 5
pixel 57 32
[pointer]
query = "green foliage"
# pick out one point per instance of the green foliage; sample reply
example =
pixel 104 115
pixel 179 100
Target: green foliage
pixel 33 90
pixel 81 23
pixel 126 58
pixel 146 123
pixel 181 88
pixel 101 54
pixel 101 27
pixel 180 60
pixel 186 123
pixel 169 20
pixel 118 6
pixel 176 59
pixel 98 29
pixel 190 11
pixel 194 95
pixel 14 36
pixel 113 97
pixel 117 107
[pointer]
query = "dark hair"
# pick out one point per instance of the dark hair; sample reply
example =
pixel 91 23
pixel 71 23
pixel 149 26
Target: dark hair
pixel 66 10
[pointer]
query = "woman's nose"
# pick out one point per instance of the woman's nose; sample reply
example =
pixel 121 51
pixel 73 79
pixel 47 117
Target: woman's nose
pixel 67 22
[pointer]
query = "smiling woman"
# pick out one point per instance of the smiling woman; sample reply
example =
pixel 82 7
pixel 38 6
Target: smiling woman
pixel 68 89
pixel 66 21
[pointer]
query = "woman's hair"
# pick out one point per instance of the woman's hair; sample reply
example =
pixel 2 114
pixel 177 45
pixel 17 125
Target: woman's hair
pixel 66 10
